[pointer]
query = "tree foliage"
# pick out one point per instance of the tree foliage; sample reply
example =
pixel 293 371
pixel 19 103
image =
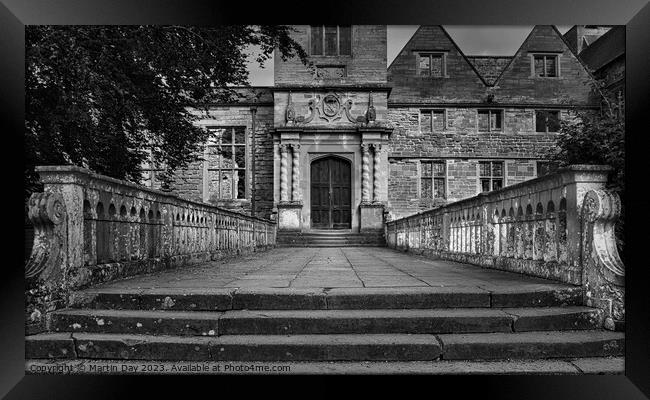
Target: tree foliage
pixel 102 97
pixel 597 137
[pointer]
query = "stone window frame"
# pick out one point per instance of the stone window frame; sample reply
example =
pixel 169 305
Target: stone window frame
pixel 246 168
pixel 431 111
pixel 490 110
pixel 433 178
pixel 558 69
pixel 503 177
pixel 338 42
pixel 420 53
pixel 559 118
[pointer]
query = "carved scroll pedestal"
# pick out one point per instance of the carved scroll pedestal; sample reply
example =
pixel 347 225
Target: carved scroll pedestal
pixel 604 272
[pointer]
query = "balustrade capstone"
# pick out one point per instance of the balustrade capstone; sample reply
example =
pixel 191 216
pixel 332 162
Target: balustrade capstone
pixel 91 228
pixel 534 227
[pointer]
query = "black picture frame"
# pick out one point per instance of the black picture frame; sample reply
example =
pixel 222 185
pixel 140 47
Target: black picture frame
pixel 635 14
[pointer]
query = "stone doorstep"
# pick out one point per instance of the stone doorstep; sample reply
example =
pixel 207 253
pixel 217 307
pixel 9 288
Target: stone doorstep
pixel 278 322
pixel 389 347
pixel 593 365
pixel 221 299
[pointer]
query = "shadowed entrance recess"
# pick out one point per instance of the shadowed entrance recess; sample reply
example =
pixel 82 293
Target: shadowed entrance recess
pixel 331 202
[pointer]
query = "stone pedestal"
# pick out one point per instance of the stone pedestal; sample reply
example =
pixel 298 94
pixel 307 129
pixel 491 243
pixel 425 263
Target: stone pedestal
pixel 290 216
pixel 372 217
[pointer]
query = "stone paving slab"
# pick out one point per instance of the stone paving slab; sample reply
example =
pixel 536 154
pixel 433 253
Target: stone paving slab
pixel 349 267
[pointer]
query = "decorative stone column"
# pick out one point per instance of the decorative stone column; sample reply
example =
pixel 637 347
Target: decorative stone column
pixel 283 173
pixel 372 213
pixel 295 174
pixel 290 212
pixel 376 162
pixel 365 177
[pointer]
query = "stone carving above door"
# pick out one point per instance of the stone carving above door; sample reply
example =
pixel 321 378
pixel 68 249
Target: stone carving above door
pixel 331 107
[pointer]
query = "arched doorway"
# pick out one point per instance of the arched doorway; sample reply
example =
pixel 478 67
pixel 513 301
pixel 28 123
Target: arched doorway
pixel 330 193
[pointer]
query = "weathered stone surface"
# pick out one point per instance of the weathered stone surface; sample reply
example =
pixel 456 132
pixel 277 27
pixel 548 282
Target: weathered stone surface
pixel 600 365
pixel 326 347
pixel 363 321
pixel 193 323
pixel 554 318
pixel 531 345
pixel 549 296
pixel 531 227
pixel 49 345
pixel 196 299
pixel 289 217
pixel 141 347
pixel 429 297
pixel 284 299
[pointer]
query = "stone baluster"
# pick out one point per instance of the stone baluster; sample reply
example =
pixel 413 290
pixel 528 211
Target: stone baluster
pixel 365 178
pixel 283 173
pixel 295 176
pixel 376 165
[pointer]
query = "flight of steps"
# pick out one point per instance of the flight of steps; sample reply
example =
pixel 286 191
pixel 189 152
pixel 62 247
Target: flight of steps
pixel 331 238
pixel 325 325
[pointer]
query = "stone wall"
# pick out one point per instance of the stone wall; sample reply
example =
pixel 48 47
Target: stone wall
pixel 91 229
pixel 462 83
pixel 462 147
pixel 558 227
pixel 367 63
pixel 517 85
pixel 189 182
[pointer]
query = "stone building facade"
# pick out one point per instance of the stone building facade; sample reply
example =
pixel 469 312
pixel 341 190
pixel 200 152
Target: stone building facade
pixel 347 143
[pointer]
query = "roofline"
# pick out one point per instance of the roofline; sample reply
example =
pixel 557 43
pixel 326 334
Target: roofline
pixel 444 31
pixel 403 47
pixel 464 56
pixel 564 40
pixel 514 56
pixel 584 65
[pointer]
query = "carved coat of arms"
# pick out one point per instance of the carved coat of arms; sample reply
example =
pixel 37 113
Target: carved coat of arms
pixel 331 105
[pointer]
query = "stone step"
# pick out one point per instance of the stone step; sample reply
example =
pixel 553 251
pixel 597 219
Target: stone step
pixel 333 245
pixel 235 348
pixel 222 299
pixel 592 365
pixel 298 322
pixel 366 347
pixel 332 233
pixel 532 345
pixel 329 239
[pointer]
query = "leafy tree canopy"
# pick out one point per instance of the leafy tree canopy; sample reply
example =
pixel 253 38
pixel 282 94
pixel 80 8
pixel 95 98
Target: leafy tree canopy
pixel 598 137
pixel 102 97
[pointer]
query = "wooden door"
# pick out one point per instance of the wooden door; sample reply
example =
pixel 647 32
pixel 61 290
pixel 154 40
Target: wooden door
pixel 331 195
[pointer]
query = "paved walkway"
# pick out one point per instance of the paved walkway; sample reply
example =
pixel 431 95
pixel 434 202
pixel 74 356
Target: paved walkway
pixel 358 267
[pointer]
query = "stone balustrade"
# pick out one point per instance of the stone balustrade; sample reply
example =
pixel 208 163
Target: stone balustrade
pixel 91 229
pixel 558 227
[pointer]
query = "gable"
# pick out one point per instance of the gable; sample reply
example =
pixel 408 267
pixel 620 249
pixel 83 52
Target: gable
pixel 461 84
pixel 489 67
pixel 517 84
